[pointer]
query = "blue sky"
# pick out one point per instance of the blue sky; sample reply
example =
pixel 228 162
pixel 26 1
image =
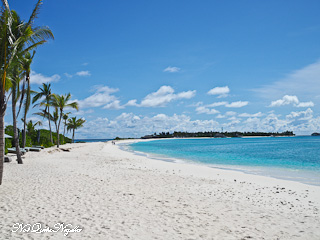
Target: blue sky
pixel 138 67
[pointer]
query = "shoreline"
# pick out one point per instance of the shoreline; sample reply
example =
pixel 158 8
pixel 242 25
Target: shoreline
pixel 206 168
pixel 115 194
pixel 265 171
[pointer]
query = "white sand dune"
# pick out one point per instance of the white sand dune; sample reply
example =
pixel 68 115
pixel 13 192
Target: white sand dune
pixel 113 194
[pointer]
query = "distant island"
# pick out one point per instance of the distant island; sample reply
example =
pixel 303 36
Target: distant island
pixel 315 134
pixel 218 134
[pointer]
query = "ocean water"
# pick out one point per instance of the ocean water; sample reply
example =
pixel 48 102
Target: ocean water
pixel 290 158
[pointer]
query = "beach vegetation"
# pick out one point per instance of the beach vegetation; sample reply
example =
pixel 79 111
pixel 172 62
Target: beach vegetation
pixel 74 124
pixel 60 102
pixel 15 74
pixel 18 39
pixel 8 144
pixel 65 117
pixel 45 93
pixel 8 50
pixel 39 137
pixel 26 61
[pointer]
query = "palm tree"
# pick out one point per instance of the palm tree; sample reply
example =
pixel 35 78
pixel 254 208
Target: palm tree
pixel 52 117
pixel 74 123
pixel 26 66
pixel 15 73
pixel 31 126
pixel 31 38
pixel 65 118
pixel 43 113
pixel 55 119
pixel 60 102
pixel 46 93
pixel 10 46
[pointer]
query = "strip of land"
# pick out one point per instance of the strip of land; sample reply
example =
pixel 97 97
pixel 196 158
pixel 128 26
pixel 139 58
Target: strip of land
pixel 114 194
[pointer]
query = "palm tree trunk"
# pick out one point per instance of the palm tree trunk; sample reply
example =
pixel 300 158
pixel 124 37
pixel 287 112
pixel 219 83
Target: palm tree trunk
pixel 64 130
pixel 50 125
pixel 26 111
pixel 58 135
pixel 24 132
pixel 73 136
pixel 15 130
pixel 58 138
pixel 57 131
pixel 1 144
pixel 2 113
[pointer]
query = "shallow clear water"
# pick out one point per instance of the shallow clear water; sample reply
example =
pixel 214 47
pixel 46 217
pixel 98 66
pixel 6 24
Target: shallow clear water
pixel 294 158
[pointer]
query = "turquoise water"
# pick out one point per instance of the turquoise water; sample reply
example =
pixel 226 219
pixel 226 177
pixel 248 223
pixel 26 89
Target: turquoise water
pixel 292 158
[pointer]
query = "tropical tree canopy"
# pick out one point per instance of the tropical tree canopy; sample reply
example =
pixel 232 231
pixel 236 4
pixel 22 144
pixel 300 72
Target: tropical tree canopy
pixel 60 102
pixel 45 92
pixel 73 124
pixel 17 38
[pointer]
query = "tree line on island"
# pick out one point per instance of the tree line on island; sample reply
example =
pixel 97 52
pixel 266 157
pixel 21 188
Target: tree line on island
pixel 18 42
pixel 217 134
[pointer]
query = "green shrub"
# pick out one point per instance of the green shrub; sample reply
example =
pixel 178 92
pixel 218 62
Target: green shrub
pixel 8 144
pixel 32 139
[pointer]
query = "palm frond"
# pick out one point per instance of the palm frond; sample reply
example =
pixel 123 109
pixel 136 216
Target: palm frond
pixel 35 12
pixel 36 97
pixel 5 4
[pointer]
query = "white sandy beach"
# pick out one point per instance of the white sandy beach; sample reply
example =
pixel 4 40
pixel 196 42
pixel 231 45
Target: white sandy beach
pixel 113 194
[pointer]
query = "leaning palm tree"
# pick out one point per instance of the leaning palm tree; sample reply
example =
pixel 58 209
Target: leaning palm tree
pixel 60 102
pixel 10 46
pixel 31 37
pixel 73 124
pixel 45 92
pixel 26 61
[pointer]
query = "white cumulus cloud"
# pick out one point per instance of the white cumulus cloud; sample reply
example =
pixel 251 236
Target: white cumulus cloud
pixel 217 104
pixel 237 104
pixel 132 102
pixel 162 97
pixel 83 73
pixel 302 115
pixel 208 109
pixel 286 100
pixel 131 125
pixel 248 115
pixel 290 100
pixel 114 105
pixel 172 69
pixel 38 78
pixel 220 91
pixel 305 104
pixel 203 109
pixel 102 97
